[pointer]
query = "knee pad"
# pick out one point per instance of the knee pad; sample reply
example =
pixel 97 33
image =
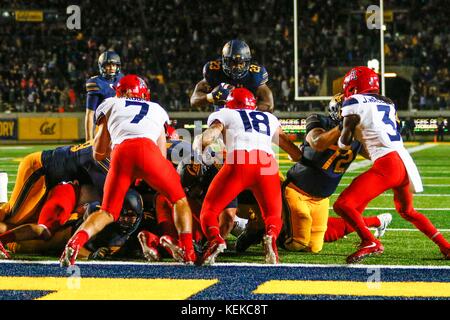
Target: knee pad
pixel 317 238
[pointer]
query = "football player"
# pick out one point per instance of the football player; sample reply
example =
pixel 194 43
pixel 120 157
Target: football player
pixel 40 171
pixel 250 164
pixel 133 128
pixel 372 118
pixel 312 180
pixel 235 69
pixel 100 87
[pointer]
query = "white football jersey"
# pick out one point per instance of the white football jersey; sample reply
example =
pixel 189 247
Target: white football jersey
pixel 132 118
pixel 378 126
pixel 247 129
pixel 378 131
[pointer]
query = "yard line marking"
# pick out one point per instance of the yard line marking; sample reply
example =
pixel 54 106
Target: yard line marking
pixel 425 185
pixel 411 230
pixel 417 195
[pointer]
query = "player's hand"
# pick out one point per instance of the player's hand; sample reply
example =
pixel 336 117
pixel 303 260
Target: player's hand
pixel 220 94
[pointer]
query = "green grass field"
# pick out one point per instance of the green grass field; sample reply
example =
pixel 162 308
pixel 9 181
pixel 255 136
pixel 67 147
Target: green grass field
pixel 403 244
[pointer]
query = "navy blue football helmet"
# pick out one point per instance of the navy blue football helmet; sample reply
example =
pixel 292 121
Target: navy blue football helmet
pixel 132 212
pixel 236 58
pixel 108 57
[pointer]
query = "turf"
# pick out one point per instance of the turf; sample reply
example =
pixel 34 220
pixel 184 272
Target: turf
pixel 402 247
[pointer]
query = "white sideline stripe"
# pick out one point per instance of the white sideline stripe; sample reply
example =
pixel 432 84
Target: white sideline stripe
pixel 419 209
pixel 232 264
pixel 417 195
pixel 423 177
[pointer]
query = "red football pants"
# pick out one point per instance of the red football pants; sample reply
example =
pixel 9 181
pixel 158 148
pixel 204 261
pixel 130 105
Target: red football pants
pixel 138 158
pixel 164 217
pixel 256 171
pixel 387 172
pixel 59 205
pixel 337 228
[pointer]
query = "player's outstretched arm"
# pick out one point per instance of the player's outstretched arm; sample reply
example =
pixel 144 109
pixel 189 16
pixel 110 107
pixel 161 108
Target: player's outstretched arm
pixel 283 141
pixel 198 98
pixel 102 141
pixel 320 140
pixel 348 130
pixel 264 99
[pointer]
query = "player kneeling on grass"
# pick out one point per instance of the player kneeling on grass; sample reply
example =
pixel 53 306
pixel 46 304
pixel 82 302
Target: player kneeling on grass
pixel 250 164
pixel 134 127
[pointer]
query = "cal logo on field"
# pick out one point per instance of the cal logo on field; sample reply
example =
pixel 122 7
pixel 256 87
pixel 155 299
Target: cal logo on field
pixel 8 129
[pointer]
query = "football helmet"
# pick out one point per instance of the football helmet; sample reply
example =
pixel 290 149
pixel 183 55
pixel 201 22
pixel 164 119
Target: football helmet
pixel 236 58
pixel 105 58
pixel 360 80
pixel 334 107
pixel 132 212
pixel 131 86
pixel 241 98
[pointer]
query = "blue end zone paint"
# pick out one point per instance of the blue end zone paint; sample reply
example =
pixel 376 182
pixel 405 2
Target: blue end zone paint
pixel 22 294
pixel 236 282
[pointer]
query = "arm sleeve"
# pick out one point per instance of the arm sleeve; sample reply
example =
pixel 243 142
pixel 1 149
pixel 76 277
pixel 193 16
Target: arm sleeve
pixel 312 122
pixel 264 76
pixel 93 94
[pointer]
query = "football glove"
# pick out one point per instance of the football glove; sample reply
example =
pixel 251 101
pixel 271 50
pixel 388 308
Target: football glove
pixel 220 94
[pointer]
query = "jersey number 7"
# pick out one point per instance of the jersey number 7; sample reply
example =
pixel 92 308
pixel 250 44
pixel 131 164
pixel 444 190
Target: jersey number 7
pixel 142 113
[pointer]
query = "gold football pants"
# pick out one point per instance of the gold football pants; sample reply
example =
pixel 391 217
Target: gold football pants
pixel 28 193
pixel 308 217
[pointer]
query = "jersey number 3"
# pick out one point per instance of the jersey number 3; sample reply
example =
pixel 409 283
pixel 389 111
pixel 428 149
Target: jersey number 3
pixel 386 109
pixel 142 113
pixel 257 118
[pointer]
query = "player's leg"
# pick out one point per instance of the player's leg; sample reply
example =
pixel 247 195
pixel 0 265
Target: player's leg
pixel 319 214
pixel 117 183
pixel 403 199
pixel 160 174
pixel 226 221
pixel 298 220
pixel 226 185
pixel 267 191
pixel 337 228
pixel 29 191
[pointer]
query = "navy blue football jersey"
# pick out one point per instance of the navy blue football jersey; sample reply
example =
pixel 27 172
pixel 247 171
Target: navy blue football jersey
pixel 319 173
pixel 74 162
pixel 99 89
pixel 256 76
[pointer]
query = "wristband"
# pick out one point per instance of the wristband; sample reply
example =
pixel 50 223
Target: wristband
pixel 343 146
pixel 209 98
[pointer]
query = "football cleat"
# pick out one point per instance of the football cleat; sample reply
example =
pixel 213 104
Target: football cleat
pixel 366 248
pixel 69 254
pixel 190 257
pixel 270 249
pixel 149 243
pixel 213 249
pixel 170 244
pixel 3 253
pixel 385 220
pixel 247 238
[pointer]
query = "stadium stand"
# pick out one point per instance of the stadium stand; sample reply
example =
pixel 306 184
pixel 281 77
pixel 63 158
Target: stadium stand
pixel 43 66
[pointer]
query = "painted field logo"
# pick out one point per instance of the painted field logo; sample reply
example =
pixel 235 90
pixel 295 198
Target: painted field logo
pixel 47 129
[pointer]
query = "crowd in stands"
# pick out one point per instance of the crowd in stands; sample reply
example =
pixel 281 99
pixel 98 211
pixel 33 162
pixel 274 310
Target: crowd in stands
pixel 44 66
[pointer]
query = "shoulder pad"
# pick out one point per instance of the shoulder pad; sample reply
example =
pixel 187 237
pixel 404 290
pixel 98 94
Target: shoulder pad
pixel 349 102
pixel 210 67
pixel 259 72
